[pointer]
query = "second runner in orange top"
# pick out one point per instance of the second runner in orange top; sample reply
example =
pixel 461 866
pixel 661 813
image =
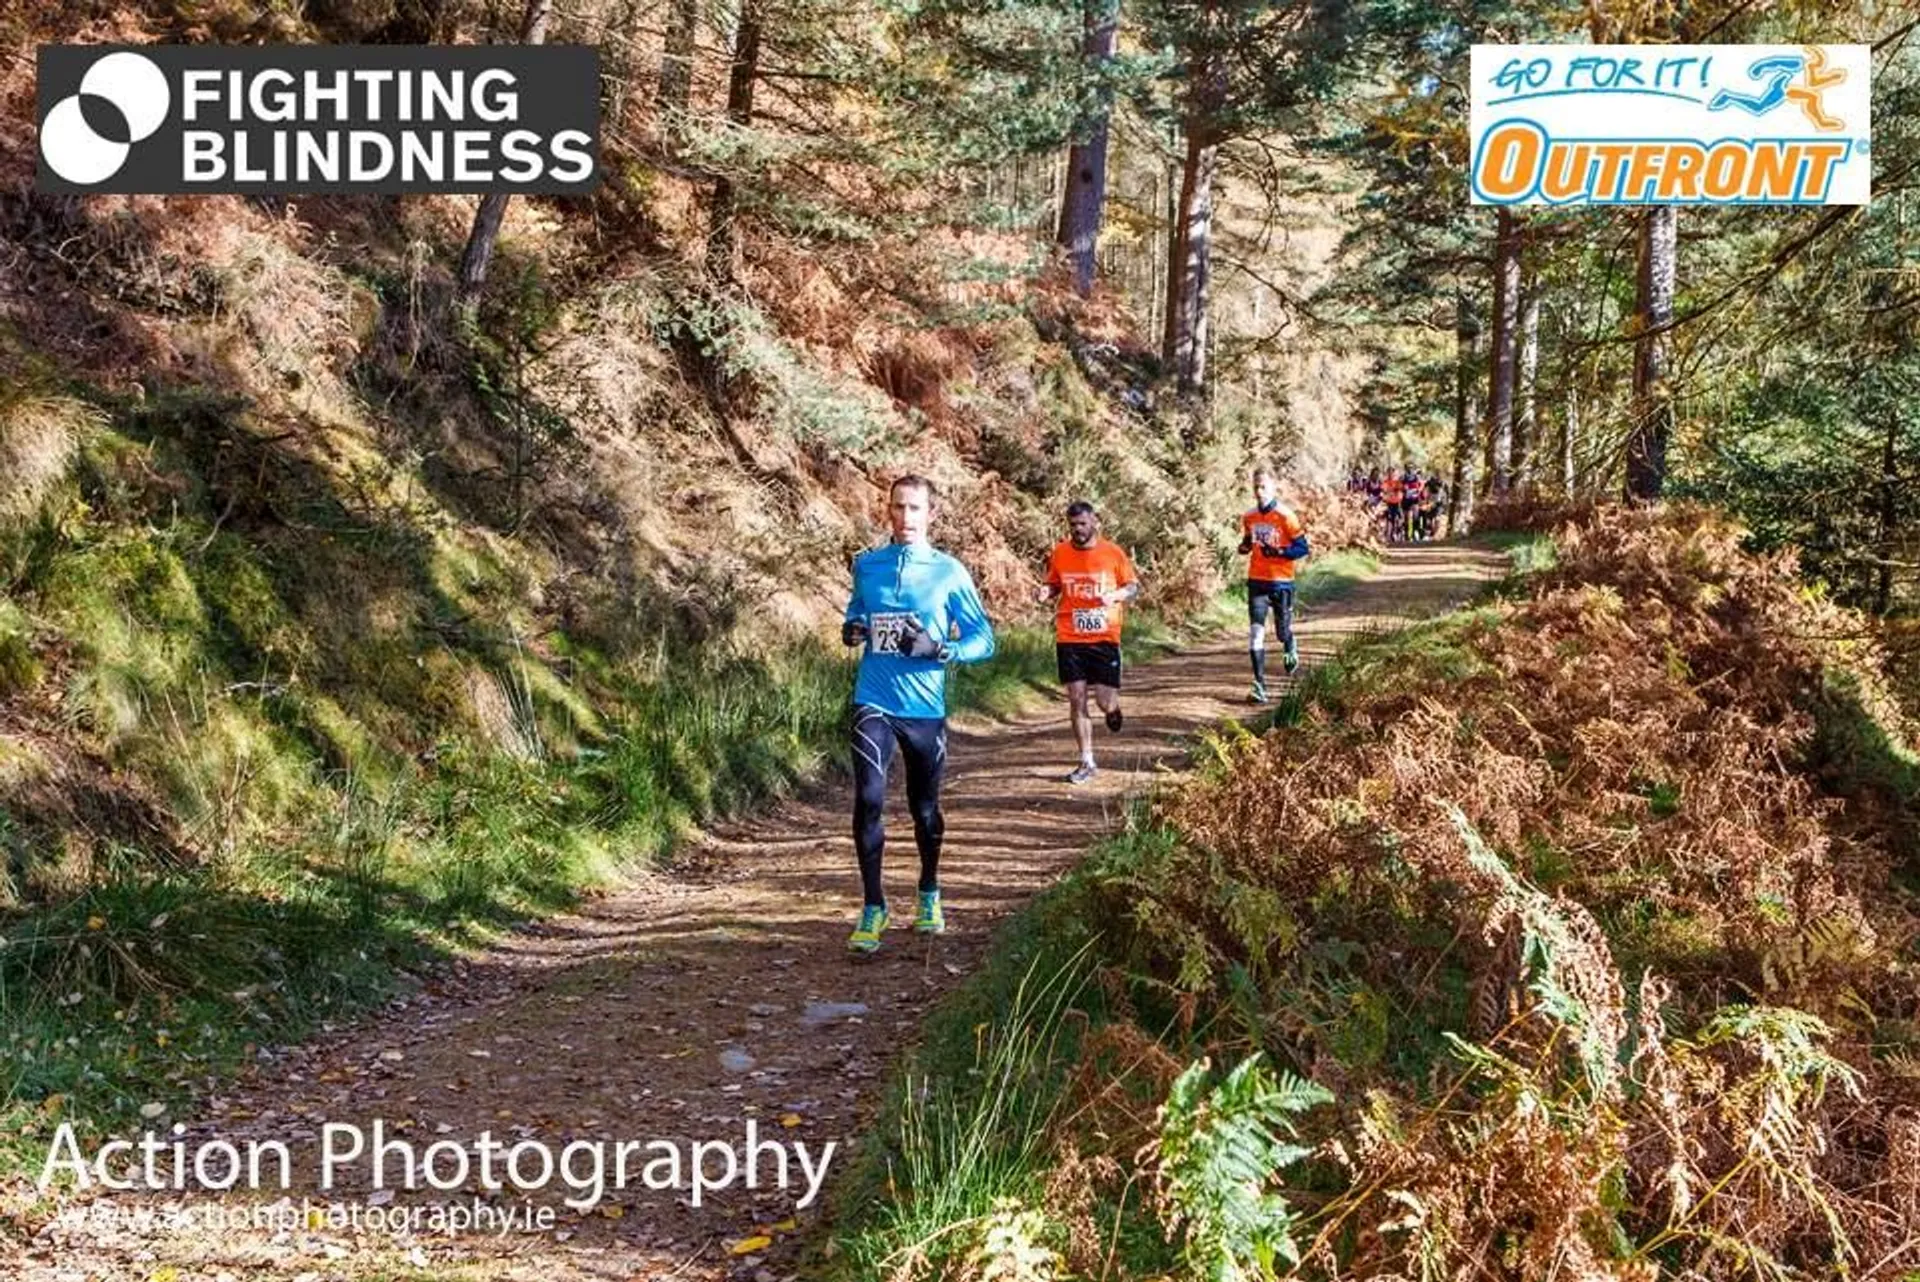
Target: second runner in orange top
pixel 1089 578
pixel 1092 580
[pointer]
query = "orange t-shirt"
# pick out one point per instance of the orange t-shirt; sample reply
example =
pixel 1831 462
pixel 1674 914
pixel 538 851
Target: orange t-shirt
pixel 1393 489
pixel 1084 575
pixel 1282 527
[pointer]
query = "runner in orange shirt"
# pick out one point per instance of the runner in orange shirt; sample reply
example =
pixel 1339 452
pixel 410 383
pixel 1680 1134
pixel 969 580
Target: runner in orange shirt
pixel 1272 539
pixel 1093 580
pixel 1393 492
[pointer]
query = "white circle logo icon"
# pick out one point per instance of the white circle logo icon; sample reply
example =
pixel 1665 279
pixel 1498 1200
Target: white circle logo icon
pixel 87 136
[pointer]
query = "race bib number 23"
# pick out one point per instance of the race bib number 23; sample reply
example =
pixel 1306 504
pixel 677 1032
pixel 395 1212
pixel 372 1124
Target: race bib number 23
pixel 887 632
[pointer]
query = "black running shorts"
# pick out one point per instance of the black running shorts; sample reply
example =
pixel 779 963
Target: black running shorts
pixel 1095 662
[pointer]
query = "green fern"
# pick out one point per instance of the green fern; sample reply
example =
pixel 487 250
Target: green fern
pixel 1218 1152
pixel 1550 952
pixel 1011 1247
pixel 1794 1073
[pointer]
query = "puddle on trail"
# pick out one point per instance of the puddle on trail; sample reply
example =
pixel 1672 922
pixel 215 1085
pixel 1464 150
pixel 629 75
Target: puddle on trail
pixel 818 1013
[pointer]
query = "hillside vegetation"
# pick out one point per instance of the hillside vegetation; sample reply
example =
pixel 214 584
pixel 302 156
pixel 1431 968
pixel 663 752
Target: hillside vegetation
pixel 335 629
pixel 1571 934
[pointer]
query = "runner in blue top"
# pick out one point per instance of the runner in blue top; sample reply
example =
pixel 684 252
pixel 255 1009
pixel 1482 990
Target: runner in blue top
pixel 915 610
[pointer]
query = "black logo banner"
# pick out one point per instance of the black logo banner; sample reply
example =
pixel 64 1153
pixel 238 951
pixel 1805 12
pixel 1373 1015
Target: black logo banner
pixel 291 119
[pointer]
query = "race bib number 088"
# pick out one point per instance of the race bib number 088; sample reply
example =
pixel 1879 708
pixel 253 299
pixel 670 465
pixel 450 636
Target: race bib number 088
pixel 1089 621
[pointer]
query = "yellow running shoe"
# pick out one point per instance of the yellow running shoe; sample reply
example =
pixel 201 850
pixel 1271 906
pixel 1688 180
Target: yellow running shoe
pixel 866 936
pixel 931 919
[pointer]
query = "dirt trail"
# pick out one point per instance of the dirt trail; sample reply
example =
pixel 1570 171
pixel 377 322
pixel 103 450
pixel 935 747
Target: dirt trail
pixel 688 1002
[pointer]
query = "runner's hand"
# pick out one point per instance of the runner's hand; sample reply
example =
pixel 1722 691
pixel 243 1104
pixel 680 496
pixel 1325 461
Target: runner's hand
pixel 918 643
pixel 853 632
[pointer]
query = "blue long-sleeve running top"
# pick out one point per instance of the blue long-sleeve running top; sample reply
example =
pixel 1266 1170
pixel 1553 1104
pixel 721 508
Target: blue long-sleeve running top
pixel 900 580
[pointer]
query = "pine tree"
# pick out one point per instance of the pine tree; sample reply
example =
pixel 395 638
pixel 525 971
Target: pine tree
pixel 1084 204
pixel 1240 68
pixel 487 220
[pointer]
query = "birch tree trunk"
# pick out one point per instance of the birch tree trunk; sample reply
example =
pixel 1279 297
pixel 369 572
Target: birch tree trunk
pixel 1652 354
pixel 1502 363
pixel 1466 415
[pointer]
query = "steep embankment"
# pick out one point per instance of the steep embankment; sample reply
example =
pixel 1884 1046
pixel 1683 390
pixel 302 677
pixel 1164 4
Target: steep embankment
pixel 1591 912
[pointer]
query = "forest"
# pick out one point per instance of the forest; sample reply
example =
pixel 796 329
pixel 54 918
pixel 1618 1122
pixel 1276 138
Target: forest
pixel 380 575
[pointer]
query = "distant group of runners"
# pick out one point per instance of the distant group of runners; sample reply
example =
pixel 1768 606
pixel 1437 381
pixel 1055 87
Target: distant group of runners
pixel 1407 505
pixel 915 609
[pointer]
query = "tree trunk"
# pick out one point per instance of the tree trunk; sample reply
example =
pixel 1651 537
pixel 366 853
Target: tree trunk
pixel 1570 439
pixel 1506 323
pixel 1888 515
pixel 1081 210
pixel 676 68
pixel 1652 348
pixel 1466 415
pixel 478 255
pixel 740 82
pixel 1188 265
pixel 1525 419
pixel 616 61
pixel 1160 252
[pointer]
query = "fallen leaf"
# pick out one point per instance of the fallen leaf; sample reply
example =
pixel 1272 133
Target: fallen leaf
pixel 790 1120
pixel 748 1245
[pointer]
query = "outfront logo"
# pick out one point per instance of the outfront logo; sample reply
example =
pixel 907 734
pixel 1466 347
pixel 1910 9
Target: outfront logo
pixel 170 119
pixel 1670 125
pixel 1802 79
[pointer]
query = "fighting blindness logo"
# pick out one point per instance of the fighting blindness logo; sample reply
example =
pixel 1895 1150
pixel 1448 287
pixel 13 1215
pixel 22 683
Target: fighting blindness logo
pixel 88 135
pixel 318 118
pixel 1670 124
